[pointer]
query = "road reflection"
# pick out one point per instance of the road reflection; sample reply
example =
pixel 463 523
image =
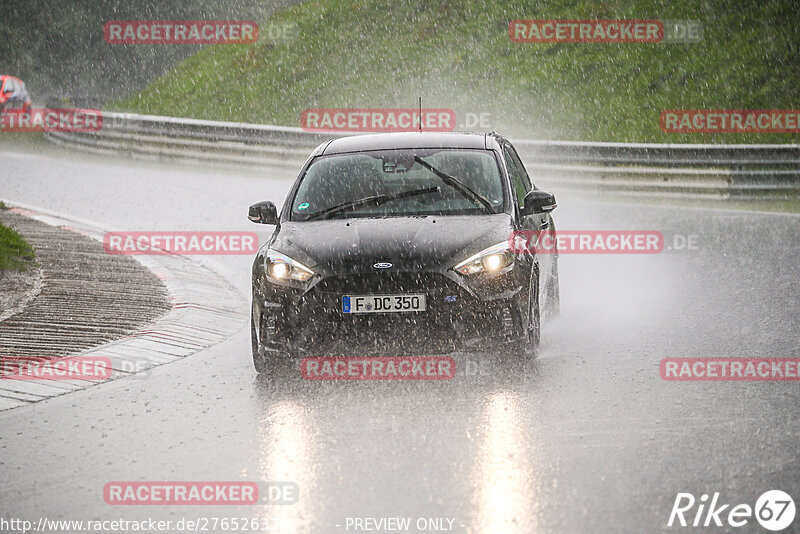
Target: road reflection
pixel 285 454
pixel 504 478
pixel 327 434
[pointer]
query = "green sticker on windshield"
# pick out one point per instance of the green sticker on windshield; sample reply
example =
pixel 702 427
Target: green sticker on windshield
pixel 303 206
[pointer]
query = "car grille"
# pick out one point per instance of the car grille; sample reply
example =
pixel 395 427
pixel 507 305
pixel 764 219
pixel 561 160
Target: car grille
pixel 424 282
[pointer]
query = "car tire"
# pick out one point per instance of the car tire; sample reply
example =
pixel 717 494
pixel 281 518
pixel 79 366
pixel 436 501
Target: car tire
pixel 273 358
pixel 259 360
pixel 534 330
pixel 527 345
pixel 553 304
pixel 264 360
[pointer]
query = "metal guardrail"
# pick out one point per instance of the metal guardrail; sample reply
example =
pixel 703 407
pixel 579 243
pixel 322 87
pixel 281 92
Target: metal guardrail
pixel 689 170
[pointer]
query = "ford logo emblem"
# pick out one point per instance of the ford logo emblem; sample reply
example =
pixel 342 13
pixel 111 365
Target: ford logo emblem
pixel 382 265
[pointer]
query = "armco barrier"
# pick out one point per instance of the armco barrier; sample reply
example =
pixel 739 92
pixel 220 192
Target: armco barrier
pixel 638 168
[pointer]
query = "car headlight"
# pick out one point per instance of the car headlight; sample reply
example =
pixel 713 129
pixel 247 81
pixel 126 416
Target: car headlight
pixel 492 260
pixel 282 267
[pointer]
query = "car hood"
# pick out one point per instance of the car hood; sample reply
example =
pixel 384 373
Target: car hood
pixel 409 243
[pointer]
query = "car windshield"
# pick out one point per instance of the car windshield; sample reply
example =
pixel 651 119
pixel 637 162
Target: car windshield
pixel 395 183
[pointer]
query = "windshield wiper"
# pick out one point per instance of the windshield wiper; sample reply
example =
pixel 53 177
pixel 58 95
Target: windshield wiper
pixel 375 200
pixel 458 185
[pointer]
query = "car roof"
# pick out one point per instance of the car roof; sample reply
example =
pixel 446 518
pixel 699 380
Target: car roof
pixel 387 141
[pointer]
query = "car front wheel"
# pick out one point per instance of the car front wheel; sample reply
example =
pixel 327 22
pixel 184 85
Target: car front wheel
pixel 527 344
pixel 553 304
pixel 259 360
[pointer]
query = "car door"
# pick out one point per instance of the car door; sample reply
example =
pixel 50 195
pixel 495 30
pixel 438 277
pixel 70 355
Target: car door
pixel 536 222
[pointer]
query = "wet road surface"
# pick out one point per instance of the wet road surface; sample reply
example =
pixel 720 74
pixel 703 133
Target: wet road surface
pixel 587 438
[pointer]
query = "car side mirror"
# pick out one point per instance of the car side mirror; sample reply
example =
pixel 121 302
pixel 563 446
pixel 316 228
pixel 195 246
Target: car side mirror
pixel 538 201
pixel 263 213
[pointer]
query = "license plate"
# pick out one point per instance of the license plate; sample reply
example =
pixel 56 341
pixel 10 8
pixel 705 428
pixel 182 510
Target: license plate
pixel 383 303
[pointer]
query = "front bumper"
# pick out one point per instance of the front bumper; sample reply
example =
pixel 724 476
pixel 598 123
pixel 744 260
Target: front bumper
pixel 462 312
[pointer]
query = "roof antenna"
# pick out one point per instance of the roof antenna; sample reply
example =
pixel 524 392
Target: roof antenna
pixel 420 114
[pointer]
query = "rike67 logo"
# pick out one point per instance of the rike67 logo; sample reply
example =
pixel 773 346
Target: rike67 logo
pixel 774 510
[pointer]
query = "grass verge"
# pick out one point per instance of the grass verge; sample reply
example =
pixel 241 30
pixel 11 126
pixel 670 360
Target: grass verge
pixel 16 254
pixel 457 54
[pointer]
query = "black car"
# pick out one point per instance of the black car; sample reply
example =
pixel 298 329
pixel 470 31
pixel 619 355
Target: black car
pixel 400 242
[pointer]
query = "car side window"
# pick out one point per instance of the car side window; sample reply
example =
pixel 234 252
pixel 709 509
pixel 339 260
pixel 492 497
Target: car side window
pixel 517 173
pixel 525 178
pixel 9 86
